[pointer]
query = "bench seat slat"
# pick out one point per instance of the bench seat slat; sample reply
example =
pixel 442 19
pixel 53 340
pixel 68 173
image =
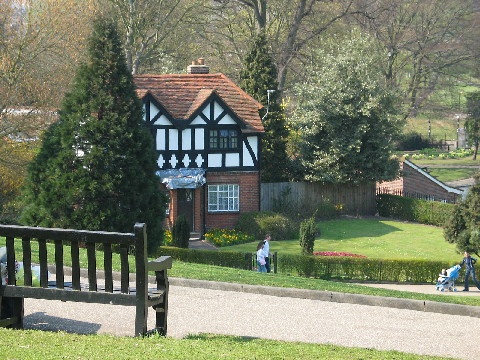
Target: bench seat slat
pixel 68 294
pixel 42 256
pixel 59 275
pixel 75 254
pixel 27 261
pixel 82 236
pixel 92 266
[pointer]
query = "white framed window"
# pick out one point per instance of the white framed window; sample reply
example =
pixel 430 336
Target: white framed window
pixel 223 197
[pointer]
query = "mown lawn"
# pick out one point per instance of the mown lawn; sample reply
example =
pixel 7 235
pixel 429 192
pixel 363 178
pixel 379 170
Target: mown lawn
pixel 374 238
pixel 40 345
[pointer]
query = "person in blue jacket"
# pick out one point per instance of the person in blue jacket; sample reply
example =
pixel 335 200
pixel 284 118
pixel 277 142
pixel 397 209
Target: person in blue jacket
pixel 469 263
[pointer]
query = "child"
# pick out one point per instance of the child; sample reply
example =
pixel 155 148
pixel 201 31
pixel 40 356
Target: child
pixel 261 258
pixel 443 274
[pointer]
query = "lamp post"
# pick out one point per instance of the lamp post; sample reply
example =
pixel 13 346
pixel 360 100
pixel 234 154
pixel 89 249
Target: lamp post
pixel 458 126
pixel 429 129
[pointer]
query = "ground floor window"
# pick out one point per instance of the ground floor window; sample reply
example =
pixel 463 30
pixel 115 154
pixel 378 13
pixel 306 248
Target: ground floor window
pixel 223 197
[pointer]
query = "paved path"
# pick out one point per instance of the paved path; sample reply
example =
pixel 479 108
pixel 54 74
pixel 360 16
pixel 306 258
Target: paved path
pixel 201 310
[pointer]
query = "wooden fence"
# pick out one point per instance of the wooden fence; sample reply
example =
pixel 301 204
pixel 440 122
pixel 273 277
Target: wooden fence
pixel 344 198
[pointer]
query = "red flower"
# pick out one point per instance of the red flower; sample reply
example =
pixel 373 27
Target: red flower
pixel 334 253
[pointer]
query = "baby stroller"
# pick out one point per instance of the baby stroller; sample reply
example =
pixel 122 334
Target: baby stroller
pixel 446 280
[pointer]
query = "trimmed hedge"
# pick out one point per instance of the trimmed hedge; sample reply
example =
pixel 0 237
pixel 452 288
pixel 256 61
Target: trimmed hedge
pixel 327 268
pixel 361 269
pixel 232 259
pixel 415 210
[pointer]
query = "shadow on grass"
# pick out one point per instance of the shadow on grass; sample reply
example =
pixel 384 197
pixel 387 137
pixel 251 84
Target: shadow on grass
pixel 356 228
pixel 206 337
pixel 44 322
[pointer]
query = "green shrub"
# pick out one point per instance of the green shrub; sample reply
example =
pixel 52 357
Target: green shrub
pixel 360 269
pixel 227 237
pixel 257 224
pixel 181 232
pixel 415 210
pixel 413 141
pixel 308 230
pixel 247 223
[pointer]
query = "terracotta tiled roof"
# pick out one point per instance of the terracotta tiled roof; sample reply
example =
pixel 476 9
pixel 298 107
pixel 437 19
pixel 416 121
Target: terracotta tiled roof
pixel 182 94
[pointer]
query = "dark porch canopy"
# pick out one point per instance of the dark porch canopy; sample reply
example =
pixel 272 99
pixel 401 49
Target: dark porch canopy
pixel 182 178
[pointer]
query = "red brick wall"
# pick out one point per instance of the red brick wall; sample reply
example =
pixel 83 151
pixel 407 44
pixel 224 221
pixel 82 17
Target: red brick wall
pixel 413 182
pixel 249 183
pixel 392 187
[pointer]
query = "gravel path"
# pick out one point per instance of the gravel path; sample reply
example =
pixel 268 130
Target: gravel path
pixel 200 310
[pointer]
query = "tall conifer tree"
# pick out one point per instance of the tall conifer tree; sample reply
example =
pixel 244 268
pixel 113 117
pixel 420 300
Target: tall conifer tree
pixel 259 79
pixel 462 228
pixel 96 168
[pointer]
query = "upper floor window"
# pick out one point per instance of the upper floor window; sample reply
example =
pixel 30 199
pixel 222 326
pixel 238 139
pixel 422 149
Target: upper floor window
pixel 223 139
pixel 223 197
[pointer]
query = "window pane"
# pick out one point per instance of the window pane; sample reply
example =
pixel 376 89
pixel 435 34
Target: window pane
pixel 233 139
pixel 213 139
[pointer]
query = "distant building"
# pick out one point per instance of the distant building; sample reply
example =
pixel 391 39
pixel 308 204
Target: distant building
pixel 417 183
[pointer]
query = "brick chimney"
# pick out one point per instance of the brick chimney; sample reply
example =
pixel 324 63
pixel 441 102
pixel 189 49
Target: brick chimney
pixel 198 67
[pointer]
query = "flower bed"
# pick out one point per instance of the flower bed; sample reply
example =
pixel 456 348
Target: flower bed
pixel 335 253
pixel 227 237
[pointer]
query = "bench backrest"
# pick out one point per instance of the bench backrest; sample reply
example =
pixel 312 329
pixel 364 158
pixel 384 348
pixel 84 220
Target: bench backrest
pixel 36 241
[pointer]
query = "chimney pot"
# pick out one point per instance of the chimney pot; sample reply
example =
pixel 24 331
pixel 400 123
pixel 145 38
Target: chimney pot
pixel 198 67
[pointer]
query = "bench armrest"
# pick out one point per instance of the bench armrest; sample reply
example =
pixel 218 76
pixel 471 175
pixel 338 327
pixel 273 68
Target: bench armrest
pixel 161 263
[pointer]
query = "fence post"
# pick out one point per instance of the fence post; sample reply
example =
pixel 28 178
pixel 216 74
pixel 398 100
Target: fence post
pixel 275 262
pixel 249 261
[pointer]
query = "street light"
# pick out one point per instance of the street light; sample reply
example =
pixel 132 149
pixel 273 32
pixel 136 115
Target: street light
pixel 458 126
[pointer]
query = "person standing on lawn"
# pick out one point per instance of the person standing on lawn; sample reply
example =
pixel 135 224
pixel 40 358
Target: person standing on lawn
pixel 469 270
pixel 261 258
pixel 266 251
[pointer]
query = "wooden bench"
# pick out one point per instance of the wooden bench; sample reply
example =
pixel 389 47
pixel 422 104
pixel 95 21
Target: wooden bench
pixel 54 245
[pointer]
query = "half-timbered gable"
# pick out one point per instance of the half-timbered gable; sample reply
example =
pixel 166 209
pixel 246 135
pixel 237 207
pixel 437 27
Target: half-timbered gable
pixel 207 134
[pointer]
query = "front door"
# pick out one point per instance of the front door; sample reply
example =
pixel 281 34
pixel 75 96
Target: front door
pixel 185 205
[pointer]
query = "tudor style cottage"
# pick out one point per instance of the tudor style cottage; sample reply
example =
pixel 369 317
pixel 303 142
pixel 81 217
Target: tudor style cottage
pixel 207 133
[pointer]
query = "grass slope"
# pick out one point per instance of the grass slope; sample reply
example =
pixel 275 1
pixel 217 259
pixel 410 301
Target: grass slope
pixel 374 238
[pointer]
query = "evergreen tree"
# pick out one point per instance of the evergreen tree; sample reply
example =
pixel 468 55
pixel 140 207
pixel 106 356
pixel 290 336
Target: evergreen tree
pixel 259 78
pixel 96 167
pixel 463 226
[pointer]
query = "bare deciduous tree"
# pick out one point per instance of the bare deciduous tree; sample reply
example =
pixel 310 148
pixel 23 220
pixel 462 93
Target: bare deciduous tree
pixel 290 27
pixel 421 40
pixel 153 29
